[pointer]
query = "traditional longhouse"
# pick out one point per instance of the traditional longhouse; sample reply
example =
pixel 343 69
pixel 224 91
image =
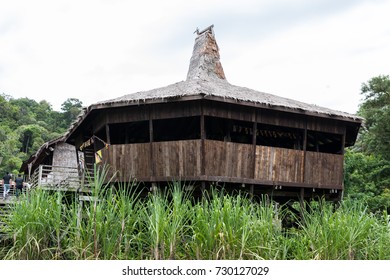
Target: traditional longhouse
pixel 205 130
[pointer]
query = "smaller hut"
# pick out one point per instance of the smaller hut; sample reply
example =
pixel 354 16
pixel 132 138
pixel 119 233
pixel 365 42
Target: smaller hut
pixel 54 163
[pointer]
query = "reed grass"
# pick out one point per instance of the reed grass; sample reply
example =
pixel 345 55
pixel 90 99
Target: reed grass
pixel 347 233
pixel 169 224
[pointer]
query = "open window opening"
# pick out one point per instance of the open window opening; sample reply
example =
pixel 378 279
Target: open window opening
pixel 129 133
pixel 324 142
pixel 102 134
pixel 176 129
pixel 279 136
pixel 228 130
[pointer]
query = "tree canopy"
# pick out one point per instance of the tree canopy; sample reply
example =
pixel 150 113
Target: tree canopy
pixel 26 124
pixel 367 165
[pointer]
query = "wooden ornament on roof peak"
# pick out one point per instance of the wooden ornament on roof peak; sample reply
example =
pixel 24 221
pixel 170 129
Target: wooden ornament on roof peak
pixel 205 61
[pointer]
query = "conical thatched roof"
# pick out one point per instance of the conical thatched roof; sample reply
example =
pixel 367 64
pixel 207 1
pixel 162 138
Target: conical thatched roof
pixel 206 79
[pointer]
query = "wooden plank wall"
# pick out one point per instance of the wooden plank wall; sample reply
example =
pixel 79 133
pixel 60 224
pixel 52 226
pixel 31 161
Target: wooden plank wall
pixel 177 158
pixel 277 164
pixel 228 159
pixel 324 169
pixel 280 119
pixel 131 160
pixel 182 159
pixel 228 111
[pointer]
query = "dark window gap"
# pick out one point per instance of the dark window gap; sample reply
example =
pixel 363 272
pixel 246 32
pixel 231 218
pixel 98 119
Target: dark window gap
pixel 186 128
pixel 129 133
pixel 228 130
pixel 279 136
pixel 324 142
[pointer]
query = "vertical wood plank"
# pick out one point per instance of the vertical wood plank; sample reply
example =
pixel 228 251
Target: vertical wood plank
pixel 202 137
pixel 151 155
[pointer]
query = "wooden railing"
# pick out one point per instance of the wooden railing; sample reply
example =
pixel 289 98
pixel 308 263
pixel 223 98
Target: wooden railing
pixel 225 160
pixel 56 177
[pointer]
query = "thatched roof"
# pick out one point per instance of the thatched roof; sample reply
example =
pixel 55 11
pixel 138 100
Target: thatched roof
pixel 222 89
pixel 206 79
pixel 43 151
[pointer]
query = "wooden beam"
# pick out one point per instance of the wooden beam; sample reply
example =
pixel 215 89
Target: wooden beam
pixel 108 138
pixel 282 109
pixel 224 100
pixel 108 141
pixel 224 179
pixel 304 151
pixel 152 163
pixel 343 137
pixel 202 137
pixel 254 138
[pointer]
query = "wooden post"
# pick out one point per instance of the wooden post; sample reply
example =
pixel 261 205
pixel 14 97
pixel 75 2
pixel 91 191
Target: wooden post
pixel 254 138
pixel 252 190
pixel 152 163
pixel 108 141
pixel 302 199
pixel 40 175
pixel 304 151
pixel 343 141
pixel 203 187
pixel 202 137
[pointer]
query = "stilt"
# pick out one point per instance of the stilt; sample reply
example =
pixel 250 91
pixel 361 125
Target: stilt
pixel 251 190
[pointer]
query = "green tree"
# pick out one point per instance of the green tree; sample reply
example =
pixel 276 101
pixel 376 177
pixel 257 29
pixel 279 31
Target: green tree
pixel 367 167
pixel 375 136
pixel 26 124
pixel 71 108
pixel 367 178
pixel 31 137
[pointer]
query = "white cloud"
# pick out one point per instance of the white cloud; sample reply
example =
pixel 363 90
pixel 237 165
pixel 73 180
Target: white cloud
pixel 320 61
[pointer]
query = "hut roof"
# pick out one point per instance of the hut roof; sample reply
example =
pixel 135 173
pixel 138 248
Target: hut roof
pixel 206 79
pixel 42 152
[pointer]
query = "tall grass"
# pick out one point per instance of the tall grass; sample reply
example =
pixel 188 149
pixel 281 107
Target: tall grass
pixel 346 233
pixel 108 226
pixel 232 227
pixel 36 227
pixel 166 216
pixel 169 224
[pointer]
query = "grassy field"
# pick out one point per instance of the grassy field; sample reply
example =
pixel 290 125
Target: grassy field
pixel 170 225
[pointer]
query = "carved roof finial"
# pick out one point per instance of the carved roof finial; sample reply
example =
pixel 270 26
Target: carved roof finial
pixel 205 63
pixel 210 28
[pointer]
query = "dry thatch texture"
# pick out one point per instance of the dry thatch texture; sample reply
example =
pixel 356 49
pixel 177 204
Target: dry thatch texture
pixel 221 88
pixel 206 77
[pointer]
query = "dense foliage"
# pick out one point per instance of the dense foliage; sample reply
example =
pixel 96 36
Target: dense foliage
pixel 26 124
pixel 367 164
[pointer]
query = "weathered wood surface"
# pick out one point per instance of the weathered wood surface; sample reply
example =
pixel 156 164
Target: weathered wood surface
pixel 182 159
pixel 228 111
pixel 279 165
pixel 228 159
pixel 177 158
pixel 324 169
pixel 132 160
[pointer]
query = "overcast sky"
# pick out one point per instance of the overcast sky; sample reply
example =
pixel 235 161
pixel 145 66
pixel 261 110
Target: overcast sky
pixel 315 51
